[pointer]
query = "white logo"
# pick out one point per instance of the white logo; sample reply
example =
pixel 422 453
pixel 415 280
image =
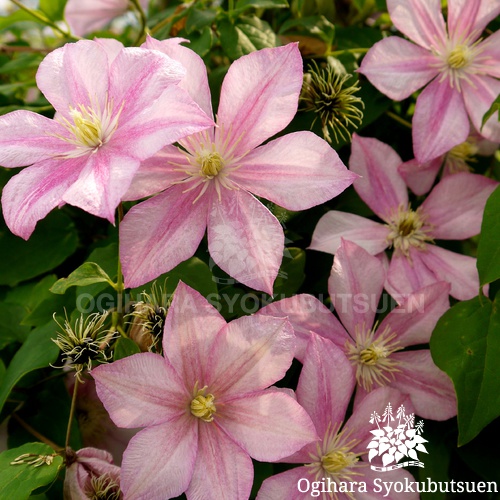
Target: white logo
pixel 392 442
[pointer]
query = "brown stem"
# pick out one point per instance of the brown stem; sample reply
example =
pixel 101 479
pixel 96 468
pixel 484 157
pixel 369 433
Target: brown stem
pixel 35 433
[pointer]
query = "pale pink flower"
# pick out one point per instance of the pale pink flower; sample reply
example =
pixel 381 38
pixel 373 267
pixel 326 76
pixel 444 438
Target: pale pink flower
pixel 206 406
pixel 377 350
pixel 462 69
pixel 115 107
pixel 421 177
pixel 91 474
pixel 86 16
pixel 324 390
pixel 208 182
pixel 452 211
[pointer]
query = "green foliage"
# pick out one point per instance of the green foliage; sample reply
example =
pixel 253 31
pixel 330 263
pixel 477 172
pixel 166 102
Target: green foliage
pixel 494 108
pixel 87 274
pixel 291 274
pixel 466 345
pixel 125 347
pixel 18 481
pixel 488 252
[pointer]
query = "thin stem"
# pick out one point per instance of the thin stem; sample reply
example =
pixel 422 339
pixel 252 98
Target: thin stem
pixel 71 412
pixel 44 20
pixel 143 19
pixel 357 50
pixel 231 6
pixel 397 118
pixel 35 433
pixel 119 276
pixel 14 48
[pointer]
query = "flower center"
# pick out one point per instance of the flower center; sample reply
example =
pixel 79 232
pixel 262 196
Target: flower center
pixel 371 356
pixel 211 163
pixel 334 457
pixel 202 405
pixel 407 229
pixel 90 127
pixel 459 57
pixel 103 488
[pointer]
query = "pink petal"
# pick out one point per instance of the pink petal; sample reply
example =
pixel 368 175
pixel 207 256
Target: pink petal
pixel 490 54
pixel 326 383
pixel 455 206
pixel 334 226
pixel 223 471
pixel 28 138
pixel 459 270
pixel 307 315
pixel 355 285
pixel 268 425
pixel 86 16
pixel 401 476
pixel 141 390
pixel 156 173
pixel 479 93
pixel 421 21
pixel 196 80
pixel 35 191
pixel 430 389
pixel 191 327
pixel 160 233
pixel 415 318
pixel 250 354
pixel 171 117
pixel 160 460
pixel 77 73
pixel 245 240
pixel 285 486
pixel 440 121
pixel 297 171
pixel 420 177
pixel 470 16
pixel 259 96
pixel 380 187
pixel 102 183
pixel 111 46
pixel 398 68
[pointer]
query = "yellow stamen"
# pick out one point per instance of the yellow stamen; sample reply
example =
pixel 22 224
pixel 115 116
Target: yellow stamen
pixel 210 163
pixel 202 406
pixel 459 57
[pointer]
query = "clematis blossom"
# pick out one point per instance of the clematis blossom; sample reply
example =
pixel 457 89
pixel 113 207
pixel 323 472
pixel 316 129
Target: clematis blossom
pixel 86 16
pixel 205 406
pixel 377 351
pixel 458 69
pixel 453 210
pixel 207 183
pixel 105 125
pixel 324 390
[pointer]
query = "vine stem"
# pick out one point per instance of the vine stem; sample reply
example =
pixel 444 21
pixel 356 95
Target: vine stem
pixel 71 412
pixel 143 19
pixel 397 118
pixel 357 50
pixel 35 433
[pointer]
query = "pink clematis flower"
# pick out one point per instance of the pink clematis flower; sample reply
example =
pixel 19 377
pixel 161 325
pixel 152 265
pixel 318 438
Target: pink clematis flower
pixel 324 390
pixel 207 182
pixel 91 474
pixel 105 125
pixel 204 406
pixel 377 351
pixel 453 210
pixel 461 67
pixel 86 16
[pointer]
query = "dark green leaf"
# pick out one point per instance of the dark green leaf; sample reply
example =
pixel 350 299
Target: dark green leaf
pixel 18 481
pixel 53 9
pixel 316 26
pixel 261 4
pixel 53 241
pixel 198 19
pixel 21 62
pixel 10 328
pixel 16 17
pixel 466 345
pixel 291 273
pixel 87 274
pixel 201 41
pixel 488 251
pixel 124 348
pixel 495 106
pixel 37 352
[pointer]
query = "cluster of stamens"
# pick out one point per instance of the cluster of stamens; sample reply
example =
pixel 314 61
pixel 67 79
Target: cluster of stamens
pixel 370 353
pixel 202 405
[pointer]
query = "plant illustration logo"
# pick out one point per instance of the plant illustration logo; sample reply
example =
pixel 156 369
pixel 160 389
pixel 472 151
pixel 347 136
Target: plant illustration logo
pixel 399 438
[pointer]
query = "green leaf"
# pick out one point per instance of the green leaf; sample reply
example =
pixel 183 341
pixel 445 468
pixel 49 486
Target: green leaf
pixel 488 251
pixel 466 345
pixel 495 106
pixel 291 274
pixel 247 35
pixel 316 26
pixel 87 274
pixel 53 9
pixel 198 19
pixel 10 328
pixel 16 17
pixel 37 352
pixel 21 62
pixel 201 41
pixel 18 481
pixel 53 241
pixel 260 4
pixel 125 347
